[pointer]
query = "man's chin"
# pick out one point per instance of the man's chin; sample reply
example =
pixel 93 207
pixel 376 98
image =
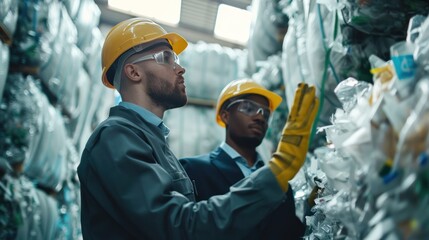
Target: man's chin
pixel 254 141
pixel 179 102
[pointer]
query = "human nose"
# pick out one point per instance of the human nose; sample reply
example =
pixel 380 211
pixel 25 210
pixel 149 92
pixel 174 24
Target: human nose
pixel 179 69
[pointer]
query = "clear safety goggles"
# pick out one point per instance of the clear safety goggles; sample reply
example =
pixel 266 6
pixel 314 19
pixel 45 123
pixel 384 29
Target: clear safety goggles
pixel 167 57
pixel 251 108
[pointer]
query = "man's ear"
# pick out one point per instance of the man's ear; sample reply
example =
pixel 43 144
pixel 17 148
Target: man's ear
pixel 224 115
pixel 132 72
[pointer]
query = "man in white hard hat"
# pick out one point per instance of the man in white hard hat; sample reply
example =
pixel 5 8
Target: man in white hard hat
pixel 132 185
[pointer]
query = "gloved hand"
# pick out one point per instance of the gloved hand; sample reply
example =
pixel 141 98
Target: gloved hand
pixel 293 144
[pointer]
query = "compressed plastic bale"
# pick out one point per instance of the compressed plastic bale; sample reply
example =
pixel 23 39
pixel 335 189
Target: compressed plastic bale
pixel 48 164
pixel 213 66
pixel 20 118
pixel 57 72
pixel 266 36
pixel 72 7
pixel 73 63
pixel 195 58
pixel 82 134
pixel 382 18
pixel 100 100
pixel 37 21
pixel 87 18
pixel 193 130
pixel 92 53
pixel 38 211
pixel 78 102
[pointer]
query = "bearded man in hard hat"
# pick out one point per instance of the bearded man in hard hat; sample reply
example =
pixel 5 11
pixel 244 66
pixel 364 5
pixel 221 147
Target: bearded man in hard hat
pixel 132 185
pixel 243 108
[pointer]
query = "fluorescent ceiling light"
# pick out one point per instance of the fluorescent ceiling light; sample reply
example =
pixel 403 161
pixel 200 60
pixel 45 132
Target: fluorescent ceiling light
pixel 232 24
pixel 165 11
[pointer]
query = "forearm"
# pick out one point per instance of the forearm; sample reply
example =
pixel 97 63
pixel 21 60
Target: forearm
pixel 146 195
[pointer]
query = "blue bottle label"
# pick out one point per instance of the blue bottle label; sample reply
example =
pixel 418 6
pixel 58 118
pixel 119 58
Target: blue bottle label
pixel 405 66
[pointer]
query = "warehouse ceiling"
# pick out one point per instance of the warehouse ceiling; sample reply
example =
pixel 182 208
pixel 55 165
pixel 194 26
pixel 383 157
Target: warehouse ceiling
pixel 197 19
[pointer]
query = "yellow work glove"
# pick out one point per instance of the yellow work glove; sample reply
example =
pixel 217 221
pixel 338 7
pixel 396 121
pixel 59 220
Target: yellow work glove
pixel 293 145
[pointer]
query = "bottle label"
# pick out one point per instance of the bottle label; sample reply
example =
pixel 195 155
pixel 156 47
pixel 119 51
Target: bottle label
pixel 405 66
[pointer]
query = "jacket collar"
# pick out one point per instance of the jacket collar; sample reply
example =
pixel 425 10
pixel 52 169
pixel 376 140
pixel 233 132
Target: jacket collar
pixel 227 166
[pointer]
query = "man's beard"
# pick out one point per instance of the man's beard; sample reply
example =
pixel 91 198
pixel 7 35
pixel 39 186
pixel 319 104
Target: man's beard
pixel 164 93
pixel 248 142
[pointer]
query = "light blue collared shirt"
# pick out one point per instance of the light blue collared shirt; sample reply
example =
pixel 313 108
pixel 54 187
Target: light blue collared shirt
pixel 148 116
pixel 240 161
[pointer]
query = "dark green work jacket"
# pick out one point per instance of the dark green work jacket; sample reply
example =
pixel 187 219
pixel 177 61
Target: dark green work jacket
pixel 133 187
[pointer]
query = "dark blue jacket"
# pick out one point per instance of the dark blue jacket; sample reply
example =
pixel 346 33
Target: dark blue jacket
pixel 214 173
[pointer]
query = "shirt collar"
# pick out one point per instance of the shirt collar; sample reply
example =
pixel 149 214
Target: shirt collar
pixel 237 157
pixel 148 116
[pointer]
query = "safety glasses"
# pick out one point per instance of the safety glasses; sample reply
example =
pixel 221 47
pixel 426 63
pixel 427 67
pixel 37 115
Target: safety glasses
pixel 164 57
pixel 251 108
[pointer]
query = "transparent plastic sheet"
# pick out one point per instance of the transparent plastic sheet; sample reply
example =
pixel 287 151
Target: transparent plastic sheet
pixel 304 182
pixel 351 135
pixel 383 76
pixel 20 118
pixel 8 17
pixel 338 170
pixel 75 95
pixel 414 135
pixel 72 7
pixel 342 207
pixel 349 91
pixel 79 101
pixel 421 54
pixel 92 60
pixel 53 48
pixel 4 62
pixel 105 102
pixel 413 30
pixel 381 17
pixel 301 191
pixel 267 30
pixel 87 18
pixel 81 135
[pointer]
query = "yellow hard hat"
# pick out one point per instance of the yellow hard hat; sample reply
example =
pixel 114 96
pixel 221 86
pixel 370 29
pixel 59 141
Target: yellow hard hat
pixel 131 33
pixel 241 87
